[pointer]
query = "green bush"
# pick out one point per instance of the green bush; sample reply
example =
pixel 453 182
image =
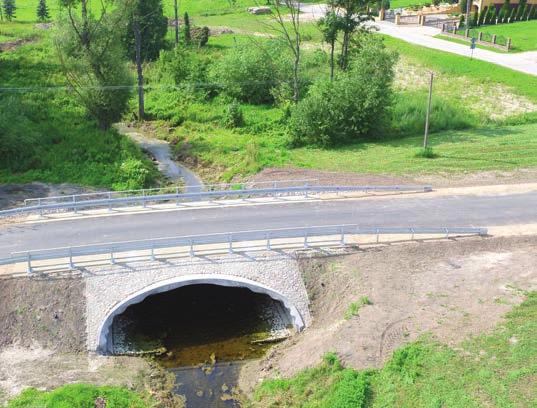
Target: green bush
pixel 79 396
pixel 249 73
pixel 180 66
pixel 233 116
pixel 352 106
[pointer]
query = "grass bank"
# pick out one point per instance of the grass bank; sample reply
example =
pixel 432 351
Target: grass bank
pixel 81 395
pixel 494 370
pixel 46 136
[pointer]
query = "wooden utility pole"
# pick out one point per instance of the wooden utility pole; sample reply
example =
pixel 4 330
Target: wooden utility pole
pixel 468 4
pixel 176 9
pixel 139 70
pixel 428 111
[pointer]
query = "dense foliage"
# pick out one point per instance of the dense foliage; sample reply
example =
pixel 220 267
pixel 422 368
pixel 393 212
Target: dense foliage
pixel 353 106
pixel 153 28
pixel 93 60
pixel 249 72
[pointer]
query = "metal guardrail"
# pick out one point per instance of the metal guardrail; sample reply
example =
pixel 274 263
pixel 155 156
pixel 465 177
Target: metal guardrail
pixel 247 185
pixel 75 205
pixel 230 238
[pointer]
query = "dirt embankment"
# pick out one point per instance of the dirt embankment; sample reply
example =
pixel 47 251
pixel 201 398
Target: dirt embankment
pixel 451 289
pixel 47 311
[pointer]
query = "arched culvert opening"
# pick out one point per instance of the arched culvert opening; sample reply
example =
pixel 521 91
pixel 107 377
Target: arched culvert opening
pixel 192 319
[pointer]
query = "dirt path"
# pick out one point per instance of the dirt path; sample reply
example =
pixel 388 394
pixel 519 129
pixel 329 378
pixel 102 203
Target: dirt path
pixel 160 150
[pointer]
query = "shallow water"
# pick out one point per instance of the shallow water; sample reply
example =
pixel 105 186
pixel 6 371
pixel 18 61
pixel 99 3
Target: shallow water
pixel 203 334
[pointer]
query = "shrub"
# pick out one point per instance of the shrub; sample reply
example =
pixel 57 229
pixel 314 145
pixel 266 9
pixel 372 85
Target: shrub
pixel 133 174
pixel 180 65
pixel 350 107
pixel 248 73
pixel 200 35
pixel 233 116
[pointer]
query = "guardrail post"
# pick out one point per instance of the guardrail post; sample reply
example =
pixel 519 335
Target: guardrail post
pixel 508 44
pixel 191 252
pixel 306 187
pixel 412 232
pixel 493 38
pixel 177 194
pixel 110 201
pixel 29 270
pixel 378 235
pixel 268 242
pixel 447 232
pixel 71 265
pixel 40 209
pixel 112 260
pixel 152 256
pixel 74 205
pixel 342 238
pixel 230 241
pixel 306 244
pixel 143 198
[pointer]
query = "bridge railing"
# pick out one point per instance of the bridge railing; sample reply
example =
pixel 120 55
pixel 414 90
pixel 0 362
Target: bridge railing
pixel 266 237
pixel 73 203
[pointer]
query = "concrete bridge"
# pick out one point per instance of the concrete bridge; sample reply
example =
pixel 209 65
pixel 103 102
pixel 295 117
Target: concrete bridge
pixel 111 289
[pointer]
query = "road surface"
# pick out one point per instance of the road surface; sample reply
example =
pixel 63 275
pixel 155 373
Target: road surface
pixel 415 211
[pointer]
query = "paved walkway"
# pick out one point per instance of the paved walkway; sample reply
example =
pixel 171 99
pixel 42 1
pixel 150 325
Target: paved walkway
pixel 166 165
pixel 524 62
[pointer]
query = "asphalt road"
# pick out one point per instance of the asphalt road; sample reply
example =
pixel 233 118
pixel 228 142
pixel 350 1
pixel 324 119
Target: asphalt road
pixel 443 211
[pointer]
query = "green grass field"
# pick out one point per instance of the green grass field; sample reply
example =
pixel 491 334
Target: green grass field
pixel 523 34
pixel 491 370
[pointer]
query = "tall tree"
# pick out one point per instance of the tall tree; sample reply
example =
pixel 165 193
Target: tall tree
pixel 330 26
pixel 289 28
pixel 355 13
pixel 149 15
pixel 9 8
pixel 93 58
pixel 42 11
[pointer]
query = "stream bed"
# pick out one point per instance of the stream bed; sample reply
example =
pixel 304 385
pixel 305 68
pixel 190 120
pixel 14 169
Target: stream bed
pixel 203 334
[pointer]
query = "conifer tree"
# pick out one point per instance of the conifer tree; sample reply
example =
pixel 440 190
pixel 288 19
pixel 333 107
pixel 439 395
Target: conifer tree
pixel 42 11
pixel 9 8
pixel 186 29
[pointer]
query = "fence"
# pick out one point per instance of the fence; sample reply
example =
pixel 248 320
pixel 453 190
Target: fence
pixel 77 202
pixel 267 237
pixel 482 38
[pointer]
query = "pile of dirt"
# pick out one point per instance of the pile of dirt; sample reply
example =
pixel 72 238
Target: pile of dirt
pixel 31 312
pixel 451 289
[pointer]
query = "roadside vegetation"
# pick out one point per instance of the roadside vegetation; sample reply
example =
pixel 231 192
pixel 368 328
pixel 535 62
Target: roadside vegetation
pixel 81 395
pixel 227 102
pixel 523 34
pixel 496 370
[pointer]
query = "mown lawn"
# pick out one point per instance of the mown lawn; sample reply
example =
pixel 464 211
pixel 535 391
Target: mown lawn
pixel 523 34
pixel 493 370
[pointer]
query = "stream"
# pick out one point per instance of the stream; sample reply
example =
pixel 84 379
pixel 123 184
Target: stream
pixel 203 334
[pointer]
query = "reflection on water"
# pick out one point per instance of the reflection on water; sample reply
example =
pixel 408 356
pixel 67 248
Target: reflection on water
pixel 202 333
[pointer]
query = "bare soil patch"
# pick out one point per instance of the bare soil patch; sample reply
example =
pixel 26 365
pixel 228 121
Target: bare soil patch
pixel 451 290
pixel 482 178
pixel 32 311
pixel 13 195
pixel 13 45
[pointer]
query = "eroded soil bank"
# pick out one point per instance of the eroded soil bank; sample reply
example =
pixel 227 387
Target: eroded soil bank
pixel 452 289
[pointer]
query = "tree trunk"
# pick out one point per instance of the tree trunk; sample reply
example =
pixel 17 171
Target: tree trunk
pixel 332 46
pixel 85 25
pixel 176 10
pixel 139 70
